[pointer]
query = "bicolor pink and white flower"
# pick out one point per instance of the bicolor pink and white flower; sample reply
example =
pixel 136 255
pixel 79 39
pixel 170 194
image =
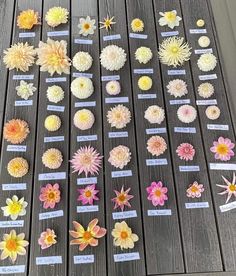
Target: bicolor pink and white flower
pixel 187 113
pixel 223 149
pixel 157 193
pixel 230 188
pixel 195 190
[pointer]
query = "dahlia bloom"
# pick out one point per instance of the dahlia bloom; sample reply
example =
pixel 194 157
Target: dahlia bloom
pixel 195 190
pixel 186 113
pixel 177 88
pixel 222 148
pixel 185 151
pixel 122 198
pixel 47 238
pixel 157 194
pixel 16 131
pixel 18 167
pixel 113 58
pixel 154 114
pixel 156 145
pixel 119 156
pixel 56 16
pixel 88 195
pixel 119 116
pixel 52 158
pixel 50 195
pixel 84 119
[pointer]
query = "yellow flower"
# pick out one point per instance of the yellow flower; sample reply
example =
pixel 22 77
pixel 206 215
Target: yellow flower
pixel 137 25
pixel 52 123
pixel 13 245
pixel 15 207
pixel 107 23
pixel 27 19
pixel 18 167
pixel 123 236
pixel 56 16
pixel 145 83
pixel 52 158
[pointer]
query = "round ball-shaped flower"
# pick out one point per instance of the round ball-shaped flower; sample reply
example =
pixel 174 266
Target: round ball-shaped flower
pixel 52 123
pixel 56 16
pixel 200 23
pixel 82 61
pixel 177 88
pixel 207 62
pixel 113 58
pixel 82 87
pixel 145 83
pixel 143 55
pixel 186 113
pixel 137 25
pixel 55 94
pixel 118 116
pixel 52 158
pixel 154 114
pixel 212 112
pixel 18 167
pixel 84 119
pixel 15 131
pixel 119 156
pixel 156 145
pixel 113 88
pixel 206 90
pixel 204 41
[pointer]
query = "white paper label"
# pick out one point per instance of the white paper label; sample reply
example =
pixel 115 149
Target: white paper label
pixel 24 103
pixel 198 31
pixel 117 100
pixel 228 207
pixel 138 36
pixel 49 260
pixel 125 257
pixel 17 148
pixel 110 78
pixel 118 134
pixel 49 215
pixel 208 77
pixel 175 102
pixel 185 129
pixel 82 104
pixel 203 51
pixel 222 167
pixel 156 162
pixel 117 174
pixel 14 187
pixel 111 37
pixel 206 102
pixel 217 127
pixel 166 34
pixel 143 71
pixel 83 259
pixel 159 212
pixel 146 96
pixel 87 209
pixel 87 75
pixel 63 79
pixel 155 130
pixel 11 223
pixel 88 180
pixel 54 139
pixel 26 34
pixel 189 168
pixel 124 215
pixel 176 72
pixel 58 33
pixel 13 269
pixel 196 205
pixel 23 77
pixel 56 108
pixel 52 176
pixel 83 41
pixel 86 138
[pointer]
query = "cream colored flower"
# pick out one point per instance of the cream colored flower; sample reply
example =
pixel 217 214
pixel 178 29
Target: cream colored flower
pixel 18 167
pixel 55 94
pixel 207 62
pixel 154 114
pixel 86 26
pixel 25 90
pixel 15 207
pixel 52 123
pixel 200 23
pixel 206 90
pixel 82 61
pixel 143 55
pixel 113 58
pixel 119 157
pixel 82 87
pixel 145 83
pixel 177 88
pixel 52 158
pixel 170 19
pixel 118 116
pixel 213 112
pixel 137 25
pixel 204 41
pixel 84 119
pixel 113 88
pixel 56 16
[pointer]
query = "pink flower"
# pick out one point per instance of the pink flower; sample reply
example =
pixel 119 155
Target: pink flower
pixel 195 190
pixel 122 198
pixel 47 239
pixel 223 149
pixel 156 145
pixel 88 194
pixel 185 151
pixel 157 193
pixel 230 188
pixel 50 195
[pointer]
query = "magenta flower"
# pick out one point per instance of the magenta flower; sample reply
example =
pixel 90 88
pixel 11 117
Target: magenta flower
pixel 195 190
pixel 157 193
pixel 122 198
pixel 185 151
pixel 223 149
pixel 88 194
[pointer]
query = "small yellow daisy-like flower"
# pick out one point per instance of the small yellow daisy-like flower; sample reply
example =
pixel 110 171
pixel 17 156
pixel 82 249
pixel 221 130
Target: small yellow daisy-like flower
pixel 52 123
pixel 15 207
pixel 27 19
pixel 52 158
pixel 107 23
pixel 145 83
pixel 137 25
pixel 18 167
pixel 56 16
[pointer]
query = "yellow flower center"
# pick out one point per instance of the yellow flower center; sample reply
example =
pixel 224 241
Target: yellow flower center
pixel 124 235
pixel 170 16
pixel 54 59
pixel 49 239
pixel 87 235
pixel 194 189
pixel 15 208
pixel 158 193
pixel 174 49
pixel 107 23
pixel 88 193
pixel 86 160
pixel 222 149
pixel 86 26
pixel 83 117
pixel 137 23
pixel 51 195
pixel 232 187
pixel 122 197
pixel 11 245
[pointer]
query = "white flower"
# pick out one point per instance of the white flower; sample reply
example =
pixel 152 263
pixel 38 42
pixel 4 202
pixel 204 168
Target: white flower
pixel 207 62
pixel 15 207
pixel 55 94
pixel 154 114
pixel 86 26
pixel 177 88
pixel 170 19
pixel 82 87
pixel 113 58
pixel 204 41
pixel 82 61
pixel 206 90
pixel 212 112
pixel 118 116
pixel 143 55
pixel 186 113
pixel 113 88
pixel 25 90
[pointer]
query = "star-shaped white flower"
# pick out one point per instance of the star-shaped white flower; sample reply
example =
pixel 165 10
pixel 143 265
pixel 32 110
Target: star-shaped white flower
pixel 230 188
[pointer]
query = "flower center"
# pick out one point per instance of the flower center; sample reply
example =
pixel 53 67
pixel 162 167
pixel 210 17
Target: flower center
pixel 88 193
pixel 194 189
pixel 49 239
pixel 11 245
pixel 170 16
pixel 137 23
pixel 122 197
pixel 51 195
pixel 87 235
pixel 107 23
pixel 222 149
pixel 86 26
pixel 178 87
pixel 232 187
pixel 54 59
pixel 124 235
pixel 174 50
pixel 86 160
pixel 158 193
pixel 15 208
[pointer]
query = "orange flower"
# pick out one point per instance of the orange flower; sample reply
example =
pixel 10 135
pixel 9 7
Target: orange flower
pixel 27 19
pixel 15 131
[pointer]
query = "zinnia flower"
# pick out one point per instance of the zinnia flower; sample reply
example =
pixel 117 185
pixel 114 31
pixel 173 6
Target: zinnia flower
pixel 122 198
pixel 18 167
pixel 204 41
pixel 113 88
pixel 154 114
pixel 19 56
pixel 113 58
pixel 52 123
pixel 83 237
pixel 25 90
pixel 185 151
pixel 156 145
pixel 82 87
pixel 27 19
pixel 170 19
pixel 86 26
pixel 52 158
pixel 52 57
pixel 119 116
pixel 88 194
pixel 207 62
pixel 16 131
pixel 119 156
pixel 195 190
pixel 223 149
pixel 186 113
pixel 177 88
pixel 86 160
pixel 50 195
pixel 157 193
pixel 107 23
pixel 173 51
pixel 47 238
pixel 143 55
pixel 56 16
pixel 230 188
pixel 55 94
pixel 13 245
pixel 137 25
pixel 84 119
pixel 82 61
pixel 123 236
pixel 206 90
pixel 145 83
pixel 15 207
pixel 212 112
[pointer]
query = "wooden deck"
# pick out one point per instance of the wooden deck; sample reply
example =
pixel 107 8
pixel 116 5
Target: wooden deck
pixel 199 241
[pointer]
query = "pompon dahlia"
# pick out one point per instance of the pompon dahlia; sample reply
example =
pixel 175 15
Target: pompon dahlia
pixel 154 114
pixel 186 113
pixel 86 160
pixel 185 151
pixel 25 90
pixel 205 90
pixel 52 123
pixel 27 19
pixel 207 62
pixel 177 88
pixel 82 61
pixel 137 25
pixel 84 119
pixel 119 156
pixel 143 55
pixel 204 41
pixel 52 158
pixel 16 131
pixel 145 83
pixel 56 16
pixel 113 58
pixel 55 94
pixel 156 145
pixel 18 167
pixel 19 56
pixel 118 116
pixel 173 51
pixel 82 87
pixel 113 88
pixel 52 57
pixel 212 112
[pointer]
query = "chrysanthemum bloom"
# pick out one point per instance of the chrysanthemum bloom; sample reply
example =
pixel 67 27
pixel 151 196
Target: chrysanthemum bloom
pixel 82 87
pixel 27 19
pixel 200 23
pixel 157 194
pixel 52 57
pixel 84 119
pixel 122 198
pixel 230 188
pixel 107 23
pixel 13 245
pixel 212 112
pixel 204 41
pixel 16 131
pixel 55 94
pixel 56 16
pixel 50 195
pixel 90 236
pixel 195 190
pixel 15 207
pixel 156 145
pixel 52 123
pixel 173 51
pixel 123 236
pixel 113 88
pixel 18 167
pixel 19 56
pixel 119 156
pixel 205 90
pixel 88 194
pixel 52 158
pixel 154 114
pixel 118 116
pixel 86 160
pixel 223 149
pixel 86 26
pixel 186 113
pixel 145 83
pixel 113 58
pixel 137 25
pixel 185 151
pixel 82 61
pixel 177 88
pixel 47 238
pixel 25 90
pixel 207 62
pixel 169 18
pixel 143 55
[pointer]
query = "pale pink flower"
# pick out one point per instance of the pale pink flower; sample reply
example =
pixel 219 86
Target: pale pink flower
pixel 223 149
pixel 47 239
pixel 230 188
pixel 50 195
pixel 195 190
pixel 156 145
pixel 122 198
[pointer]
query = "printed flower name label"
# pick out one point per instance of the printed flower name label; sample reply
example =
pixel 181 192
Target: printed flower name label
pixel 86 138
pixel 26 34
pixel 196 205
pixel 189 168
pixel 138 36
pixel 56 108
pixel 124 215
pixel 160 212
pixel 118 134
pixel 23 77
pixel 185 129
pixel 110 78
pixel 156 162
pixel 49 80
pixel 83 259
pixel 48 260
pixel 125 257
pixel 49 215
pixel 87 75
pixel 223 167
pixel 175 102
pixel 155 130
pixel 54 139
pixel 203 51
pixel 52 176
pixel 82 104
pixel 83 41
pixel 228 207
pixel 117 174
pixel 146 96
pixel 87 209
pixel 176 72
pixel 111 37
pixel 166 34
pixel 217 127
pixel 24 103
pixel 88 180
pixel 12 269
pixel 14 187
pixel 197 31
pixel 58 33
pixel 14 223
pixel 16 148
pixel 143 71
pixel 117 100
pixel 206 102
pixel 207 77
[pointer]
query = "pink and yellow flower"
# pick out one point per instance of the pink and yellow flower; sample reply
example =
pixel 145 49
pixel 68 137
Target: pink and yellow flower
pixel 157 193
pixel 185 151
pixel 50 195
pixel 47 238
pixel 195 190
pixel 88 194
pixel 122 198
pixel 223 149
pixel 230 188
